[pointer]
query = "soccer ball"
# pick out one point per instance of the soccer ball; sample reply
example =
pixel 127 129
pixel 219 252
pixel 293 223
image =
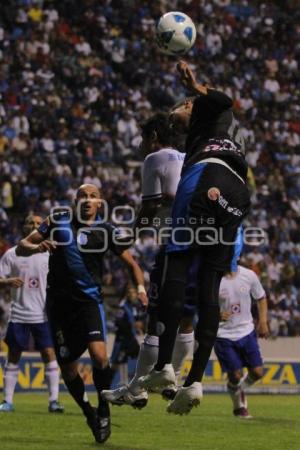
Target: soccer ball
pixel 175 33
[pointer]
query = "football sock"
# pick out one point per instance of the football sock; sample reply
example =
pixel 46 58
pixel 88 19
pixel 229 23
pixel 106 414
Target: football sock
pixel 10 380
pixel 147 358
pixel 208 323
pixel 205 337
pixel 76 389
pixel 184 345
pixel 52 379
pixel 102 379
pixel 235 394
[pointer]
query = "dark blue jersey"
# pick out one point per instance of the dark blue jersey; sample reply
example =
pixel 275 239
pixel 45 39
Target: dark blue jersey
pixel 214 132
pixel 75 266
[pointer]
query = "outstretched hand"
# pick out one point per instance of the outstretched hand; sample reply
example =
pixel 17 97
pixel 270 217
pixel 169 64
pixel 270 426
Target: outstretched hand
pixel 187 76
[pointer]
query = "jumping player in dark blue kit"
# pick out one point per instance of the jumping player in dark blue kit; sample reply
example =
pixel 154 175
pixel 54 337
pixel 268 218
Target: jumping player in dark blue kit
pixel 77 241
pixel 211 201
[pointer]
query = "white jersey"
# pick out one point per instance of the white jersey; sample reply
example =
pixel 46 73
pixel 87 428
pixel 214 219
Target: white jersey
pixel 28 301
pixel 235 297
pixel 161 173
pixel 160 178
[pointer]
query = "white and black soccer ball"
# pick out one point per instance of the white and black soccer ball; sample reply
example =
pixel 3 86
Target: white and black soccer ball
pixel 175 33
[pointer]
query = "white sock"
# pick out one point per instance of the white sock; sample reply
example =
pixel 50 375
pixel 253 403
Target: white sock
pixel 147 358
pixel 10 380
pixel 184 346
pixel 236 395
pixel 246 381
pixel 52 379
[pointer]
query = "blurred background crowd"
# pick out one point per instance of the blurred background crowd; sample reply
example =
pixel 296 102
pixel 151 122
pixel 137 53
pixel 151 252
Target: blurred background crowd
pixel 77 78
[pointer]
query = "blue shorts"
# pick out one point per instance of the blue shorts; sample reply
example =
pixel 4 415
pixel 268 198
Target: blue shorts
pixel 208 210
pixel 234 355
pixel 18 335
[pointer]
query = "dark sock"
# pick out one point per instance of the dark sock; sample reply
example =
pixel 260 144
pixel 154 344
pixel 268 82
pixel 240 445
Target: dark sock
pixel 77 390
pixel 208 323
pixel 102 380
pixel 205 336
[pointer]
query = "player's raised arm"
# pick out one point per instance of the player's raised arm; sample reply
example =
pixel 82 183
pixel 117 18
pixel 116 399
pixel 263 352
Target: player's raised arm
pixel 36 242
pixel 137 276
pixel 188 80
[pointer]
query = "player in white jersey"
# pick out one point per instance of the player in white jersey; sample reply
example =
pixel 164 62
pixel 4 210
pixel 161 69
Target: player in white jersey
pixel 236 345
pixel 160 177
pixel 26 278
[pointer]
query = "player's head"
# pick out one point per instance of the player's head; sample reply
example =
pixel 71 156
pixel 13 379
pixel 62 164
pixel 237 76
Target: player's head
pixel 88 200
pixel 32 222
pixel 180 114
pixel 156 134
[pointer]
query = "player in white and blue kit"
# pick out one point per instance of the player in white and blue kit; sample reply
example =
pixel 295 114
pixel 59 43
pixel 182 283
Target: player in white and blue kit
pixel 160 177
pixel 236 345
pixel 26 277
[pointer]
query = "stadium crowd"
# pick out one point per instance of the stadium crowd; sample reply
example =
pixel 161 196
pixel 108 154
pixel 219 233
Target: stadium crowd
pixel 77 78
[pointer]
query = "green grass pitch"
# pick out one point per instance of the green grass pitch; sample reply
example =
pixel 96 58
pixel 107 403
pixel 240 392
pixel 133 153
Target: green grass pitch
pixel 276 426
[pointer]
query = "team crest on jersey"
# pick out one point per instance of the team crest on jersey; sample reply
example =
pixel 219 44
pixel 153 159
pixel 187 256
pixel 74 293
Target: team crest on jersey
pixel 213 193
pixel 33 283
pixel 82 239
pixel 236 308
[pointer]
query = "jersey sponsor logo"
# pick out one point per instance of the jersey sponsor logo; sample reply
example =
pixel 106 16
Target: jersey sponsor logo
pixel 221 145
pixel 235 308
pixel 94 332
pixel 176 157
pixel 33 283
pixel 231 209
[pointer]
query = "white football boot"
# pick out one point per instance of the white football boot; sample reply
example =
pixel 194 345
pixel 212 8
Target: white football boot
pixel 123 396
pixel 158 379
pixel 186 399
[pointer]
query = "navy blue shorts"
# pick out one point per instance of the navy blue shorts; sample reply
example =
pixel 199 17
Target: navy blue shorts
pixel 234 355
pixel 210 204
pixel 18 335
pixel 73 325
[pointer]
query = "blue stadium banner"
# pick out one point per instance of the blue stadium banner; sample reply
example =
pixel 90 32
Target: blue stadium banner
pixel 279 376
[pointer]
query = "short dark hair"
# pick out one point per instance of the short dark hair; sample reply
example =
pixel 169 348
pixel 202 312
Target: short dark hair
pixel 159 124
